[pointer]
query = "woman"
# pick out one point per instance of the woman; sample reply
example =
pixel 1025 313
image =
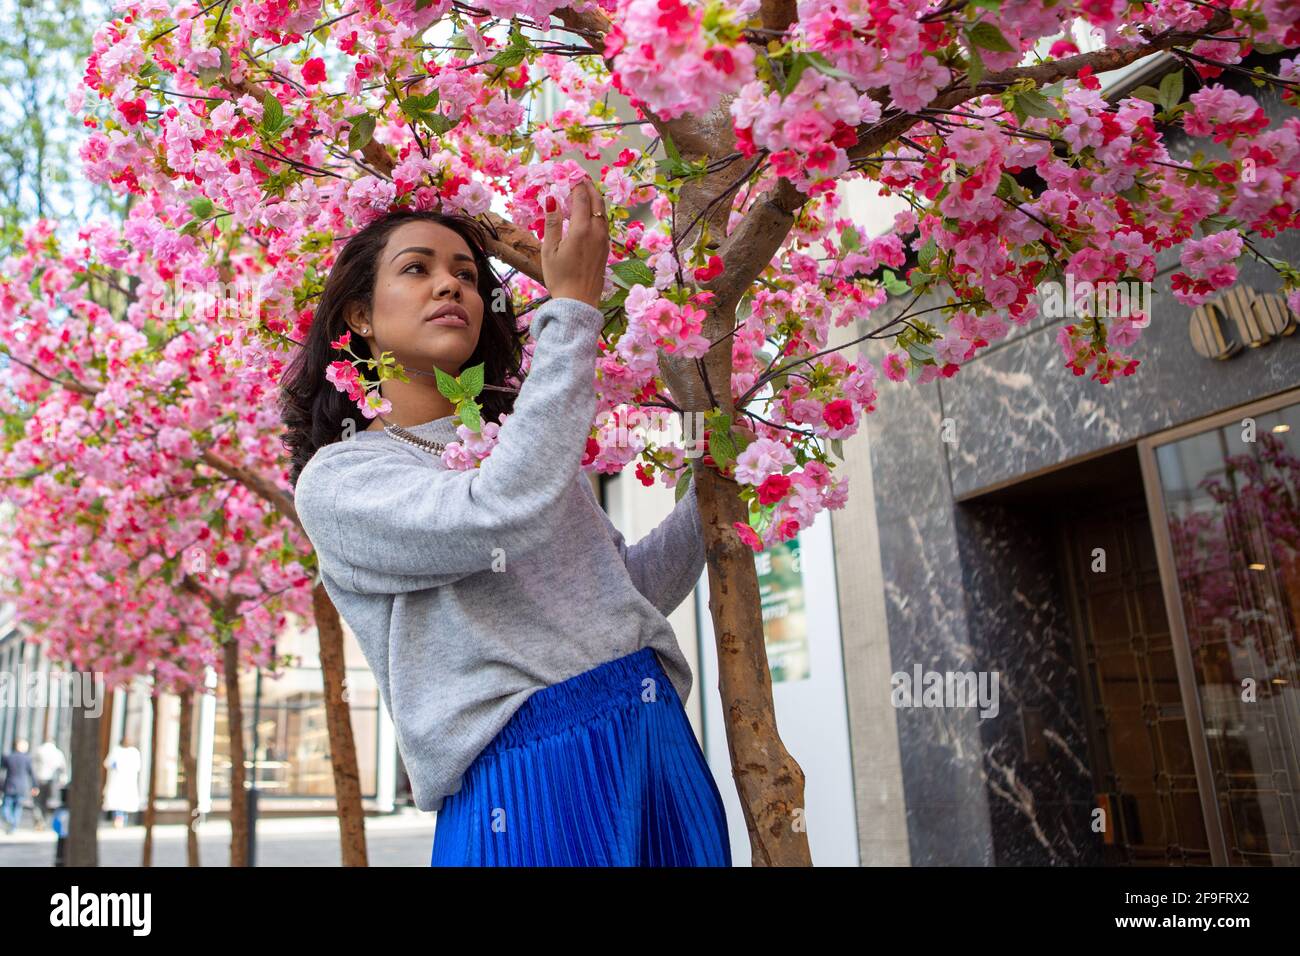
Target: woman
pixel 520 645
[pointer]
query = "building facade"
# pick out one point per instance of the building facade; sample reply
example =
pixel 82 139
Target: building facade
pixel 1118 562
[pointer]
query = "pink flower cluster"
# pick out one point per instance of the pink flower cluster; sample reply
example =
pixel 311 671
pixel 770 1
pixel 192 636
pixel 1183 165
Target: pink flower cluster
pixel 667 61
pixel 1210 265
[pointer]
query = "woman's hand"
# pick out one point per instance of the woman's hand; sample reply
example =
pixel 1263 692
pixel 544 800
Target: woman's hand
pixel 573 265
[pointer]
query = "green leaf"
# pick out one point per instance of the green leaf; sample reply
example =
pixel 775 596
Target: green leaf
pixel 1171 89
pixel 1212 224
pixel 1035 104
pixel 509 57
pixel 721 444
pixel 671 148
pixel 413 106
pixel 821 64
pixel 801 63
pixel 925 257
pixel 683 485
pixel 202 208
pixel 438 122
pixel 837 446
pixel 469 415
pixel 975 71
pixel 722 447
pixel 674 169
pixel 921 353
pixel 893 284
pixel 471 379
pixel 985 35
pixel 448 386
pixel 849 239
pixel 363 128
pixel 994 5
pixel 1148 93
pixel 632 272
pixel 272 113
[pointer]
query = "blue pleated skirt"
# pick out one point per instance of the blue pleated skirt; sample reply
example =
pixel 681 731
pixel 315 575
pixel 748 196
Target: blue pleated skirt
pixel 602 769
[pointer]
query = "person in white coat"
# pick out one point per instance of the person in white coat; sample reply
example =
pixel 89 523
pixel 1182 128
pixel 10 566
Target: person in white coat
pixel 122 788
pixel 50 770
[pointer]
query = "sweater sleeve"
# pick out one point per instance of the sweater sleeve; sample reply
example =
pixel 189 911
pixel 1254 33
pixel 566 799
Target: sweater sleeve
pixel 388 523
pixel 667 563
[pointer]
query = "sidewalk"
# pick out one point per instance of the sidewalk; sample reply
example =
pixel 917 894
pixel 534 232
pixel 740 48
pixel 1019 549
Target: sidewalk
pixel 405 819
pixel 403 838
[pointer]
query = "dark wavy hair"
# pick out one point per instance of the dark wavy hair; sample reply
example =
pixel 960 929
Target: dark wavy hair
pixel 313 410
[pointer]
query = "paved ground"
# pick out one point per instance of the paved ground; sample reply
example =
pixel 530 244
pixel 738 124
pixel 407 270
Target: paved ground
pixel 402 839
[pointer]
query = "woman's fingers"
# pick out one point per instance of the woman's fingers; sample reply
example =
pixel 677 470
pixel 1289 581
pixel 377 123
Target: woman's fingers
pixel 580 207
pixel 551 230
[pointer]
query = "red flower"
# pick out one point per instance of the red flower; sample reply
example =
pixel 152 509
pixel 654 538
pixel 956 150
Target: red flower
pixel 748 536
pixel 707 272
pixel 838 414
pixel 313 71
pixel 1225 172
pixel 773 489
pixel 133 111
pixel 787 529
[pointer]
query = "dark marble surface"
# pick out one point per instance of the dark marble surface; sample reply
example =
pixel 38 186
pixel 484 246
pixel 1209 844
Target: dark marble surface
pixel 973 586
pixel 948 819
pixel 1017 408
pixel 1039 806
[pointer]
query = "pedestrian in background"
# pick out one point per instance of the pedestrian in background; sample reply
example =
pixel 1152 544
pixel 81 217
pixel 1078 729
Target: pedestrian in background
pixel 50 770
pixel 122 788
pixel 19 784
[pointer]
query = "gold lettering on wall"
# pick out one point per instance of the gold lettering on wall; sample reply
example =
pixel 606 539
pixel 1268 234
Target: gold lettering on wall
pixel 1240 317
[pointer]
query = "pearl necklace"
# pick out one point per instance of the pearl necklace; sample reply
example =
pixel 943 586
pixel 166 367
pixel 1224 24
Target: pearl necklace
pixel 402 435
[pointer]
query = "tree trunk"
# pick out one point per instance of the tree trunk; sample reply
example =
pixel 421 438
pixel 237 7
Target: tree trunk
pixel 84 788
pixel 151 808
pixel 235 731
pixel 338 718
pixel 105 740
pixel 190 770
pixel 768 780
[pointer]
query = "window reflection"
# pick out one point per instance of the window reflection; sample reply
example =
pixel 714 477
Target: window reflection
pixel 1232 502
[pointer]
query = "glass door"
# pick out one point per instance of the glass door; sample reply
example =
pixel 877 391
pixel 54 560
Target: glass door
pixel 1225 503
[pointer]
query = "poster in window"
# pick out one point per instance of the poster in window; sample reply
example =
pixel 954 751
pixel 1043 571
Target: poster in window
pixel 785 623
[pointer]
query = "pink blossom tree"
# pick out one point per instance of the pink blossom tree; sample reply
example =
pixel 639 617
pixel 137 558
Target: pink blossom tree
pixel 140 518
pixel 282 126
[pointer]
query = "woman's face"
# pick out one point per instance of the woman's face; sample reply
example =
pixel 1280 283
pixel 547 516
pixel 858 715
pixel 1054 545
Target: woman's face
pixel 424 267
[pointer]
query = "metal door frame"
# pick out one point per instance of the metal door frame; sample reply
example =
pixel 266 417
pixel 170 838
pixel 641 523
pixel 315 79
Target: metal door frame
pixel 1174 607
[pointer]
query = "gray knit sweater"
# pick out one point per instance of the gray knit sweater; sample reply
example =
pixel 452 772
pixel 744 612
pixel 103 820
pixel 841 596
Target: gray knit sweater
pixel 470 590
